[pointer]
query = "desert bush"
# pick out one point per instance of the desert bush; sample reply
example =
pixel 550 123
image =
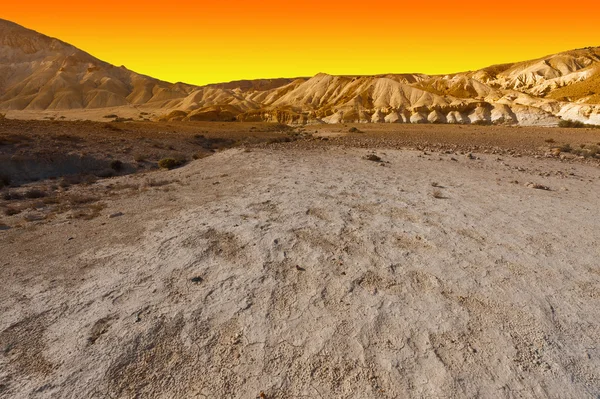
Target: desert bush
pixel 170 163
pixel 586 151
pixel 200 155
pixel 112 127
pixel 437 194
pixel 565 148
pixel 157 183
pixel 69 138
pixel 34 193
pixel 11 211
pixel 373 157
pixel 105 173
pixel 571 123
pixel 11 196
pixel 4 181
pixel 116 165
pixel 89 213
pixel 593 150
pixel 79 199
pixel 140 157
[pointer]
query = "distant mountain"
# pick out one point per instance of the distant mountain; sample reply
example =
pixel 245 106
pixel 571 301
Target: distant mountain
pixel 41 73
pixel 38 73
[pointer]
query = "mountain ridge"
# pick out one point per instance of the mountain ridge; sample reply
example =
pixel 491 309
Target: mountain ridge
pixel 40 74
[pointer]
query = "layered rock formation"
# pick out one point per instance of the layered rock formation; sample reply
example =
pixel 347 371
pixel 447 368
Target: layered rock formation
pixel 41 73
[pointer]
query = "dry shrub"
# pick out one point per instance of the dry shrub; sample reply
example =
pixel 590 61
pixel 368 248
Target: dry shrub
pixel 11 211
pixel 35 193
pixel 157 183
pixel 437 194
pixel 4 181
pixel 80 199
pixel 570 123
pixel 88 213
pixel 170 163
pixel 373 157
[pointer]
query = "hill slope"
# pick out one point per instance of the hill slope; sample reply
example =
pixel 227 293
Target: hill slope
pixel 42 74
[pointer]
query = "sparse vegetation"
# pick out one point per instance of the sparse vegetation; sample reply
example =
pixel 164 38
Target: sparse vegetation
pixel 88 213
pixel 586 151
pixel 11 211
pixel 565 148
pixel 140 157
pixel 4 181
pixel 116 165
pixel 437 194
pixel 105 173
pixel 157 183
pixel 80 199
pixel 373 157
pixel 570 123
pixel 35 193
pixel 170 163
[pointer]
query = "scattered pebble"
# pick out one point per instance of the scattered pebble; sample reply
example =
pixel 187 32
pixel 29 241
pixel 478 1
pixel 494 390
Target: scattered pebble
pixel 115 215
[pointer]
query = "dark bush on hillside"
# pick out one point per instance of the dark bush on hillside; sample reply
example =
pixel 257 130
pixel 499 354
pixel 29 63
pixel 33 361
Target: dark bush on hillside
pixel 170 163
pixel 116 165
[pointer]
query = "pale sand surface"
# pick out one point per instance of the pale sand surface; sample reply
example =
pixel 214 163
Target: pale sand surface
pixel 314 273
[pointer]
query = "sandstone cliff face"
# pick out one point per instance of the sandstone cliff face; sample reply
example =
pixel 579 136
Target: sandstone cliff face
pixel 38 73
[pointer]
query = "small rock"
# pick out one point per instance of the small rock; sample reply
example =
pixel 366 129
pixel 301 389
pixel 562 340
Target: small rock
pixel 115 215
pixel 197 279
pixel 537 186
pixel 301 269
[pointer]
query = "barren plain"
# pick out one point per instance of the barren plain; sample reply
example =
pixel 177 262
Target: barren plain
pixel 394 261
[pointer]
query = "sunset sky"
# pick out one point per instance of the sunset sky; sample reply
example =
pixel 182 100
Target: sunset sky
pixel 203 42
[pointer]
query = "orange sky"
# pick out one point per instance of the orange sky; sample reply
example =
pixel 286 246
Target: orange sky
pixel 202 42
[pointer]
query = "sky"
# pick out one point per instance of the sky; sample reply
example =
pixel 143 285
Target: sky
pixel 202 42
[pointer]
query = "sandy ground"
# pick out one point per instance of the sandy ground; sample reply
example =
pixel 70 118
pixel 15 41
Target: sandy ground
pixel 286 272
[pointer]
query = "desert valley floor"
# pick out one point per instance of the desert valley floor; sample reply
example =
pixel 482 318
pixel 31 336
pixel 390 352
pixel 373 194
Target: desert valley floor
pixel 395 261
